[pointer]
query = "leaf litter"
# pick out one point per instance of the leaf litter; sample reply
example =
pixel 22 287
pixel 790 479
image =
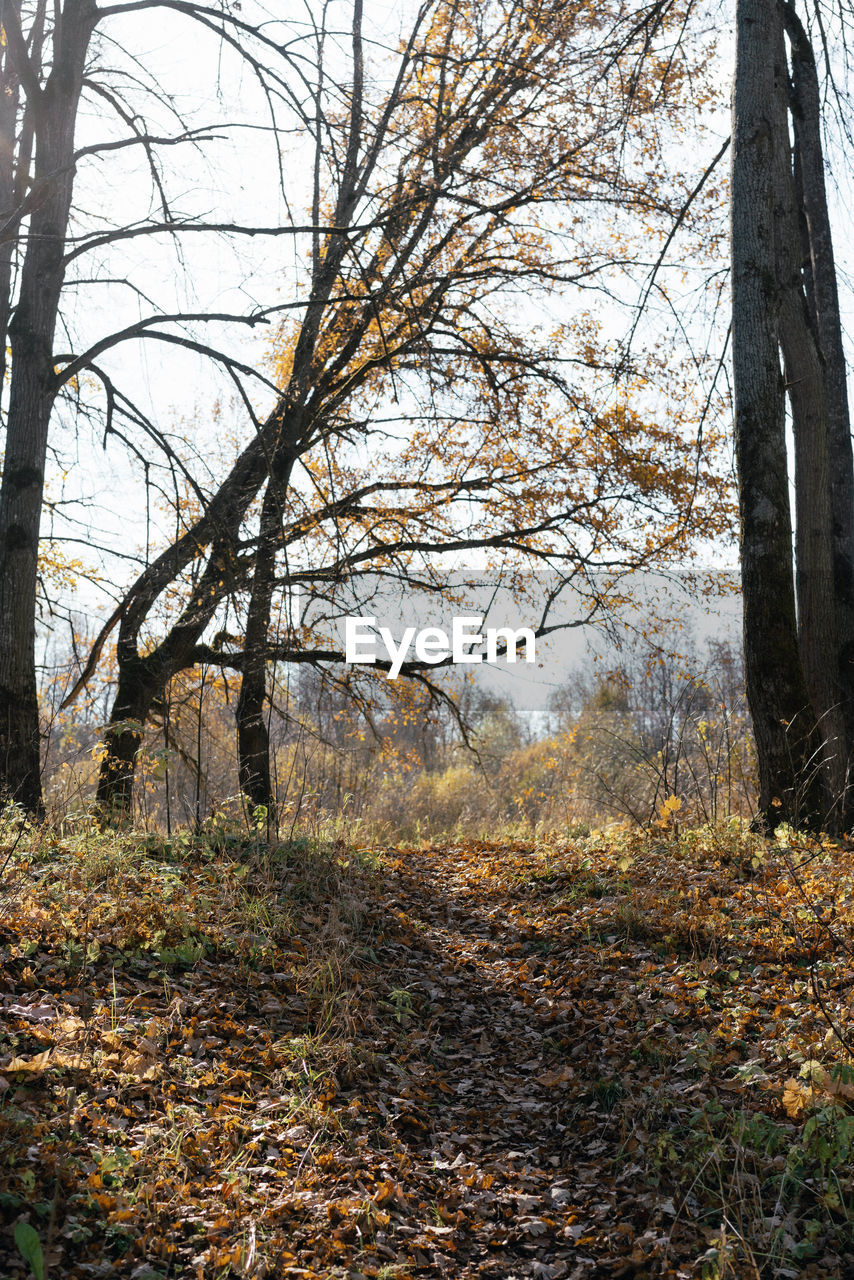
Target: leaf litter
pixel 610 1056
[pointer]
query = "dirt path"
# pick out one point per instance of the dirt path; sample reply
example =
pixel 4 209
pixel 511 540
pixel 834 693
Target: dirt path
pixel 485 1060
pixel 500 1095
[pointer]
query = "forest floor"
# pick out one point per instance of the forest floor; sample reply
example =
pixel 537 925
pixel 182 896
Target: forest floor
pixel 612 1055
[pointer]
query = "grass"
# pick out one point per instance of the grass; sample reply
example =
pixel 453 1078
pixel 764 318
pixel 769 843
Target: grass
pixel 229 1058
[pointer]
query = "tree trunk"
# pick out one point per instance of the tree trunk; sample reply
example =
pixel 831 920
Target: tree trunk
pixel 805 382
pixel 788 749
pixel 9 164
pixel 821 272
pixel 252 735
pixel 143 679
pixel 253 739
pixel 134 696
pixel 31 397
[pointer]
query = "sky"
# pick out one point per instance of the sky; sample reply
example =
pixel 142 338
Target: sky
pixel 235 178
pixel 670 614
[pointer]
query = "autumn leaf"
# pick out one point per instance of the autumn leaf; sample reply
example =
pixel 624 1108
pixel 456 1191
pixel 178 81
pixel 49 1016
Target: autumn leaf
pixel 30 1066
pixel 494 1117
pixel 796 1098
pixel 552 1079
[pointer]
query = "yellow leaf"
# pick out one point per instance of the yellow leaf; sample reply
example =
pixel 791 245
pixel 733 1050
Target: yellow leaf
pixel 670 806
pixel 796 1099
pixel 32 1066
pixel 140 1065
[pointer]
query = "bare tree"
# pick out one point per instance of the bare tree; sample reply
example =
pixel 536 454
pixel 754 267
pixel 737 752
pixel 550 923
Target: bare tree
pixel 798 661
pixel 50 102
pixel 53 60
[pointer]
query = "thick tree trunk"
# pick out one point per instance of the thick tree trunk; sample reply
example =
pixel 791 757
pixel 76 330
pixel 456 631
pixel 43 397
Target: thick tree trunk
pixel 9 100
pixel 788 748
pixel 136 692
pixel 820 270
pixel 805 380
pixel 31 398
pixel 144 679
pixel 253 738
pixel 219 526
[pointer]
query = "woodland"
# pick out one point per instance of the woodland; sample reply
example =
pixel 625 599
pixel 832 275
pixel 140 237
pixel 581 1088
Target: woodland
pixel 313 967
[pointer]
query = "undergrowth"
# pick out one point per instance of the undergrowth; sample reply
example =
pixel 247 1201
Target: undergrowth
pixel 225 1056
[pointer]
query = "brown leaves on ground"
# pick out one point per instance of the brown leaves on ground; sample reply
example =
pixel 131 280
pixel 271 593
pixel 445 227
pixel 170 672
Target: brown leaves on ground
pixel 602 1057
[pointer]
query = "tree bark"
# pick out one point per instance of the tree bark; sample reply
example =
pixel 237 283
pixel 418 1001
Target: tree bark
pixel 805 382
pixel 135 693
pixel 9 101
pixel 142 679
pixel 31 397
pixel 219 528
pixel 253 739
pixel 788 748
pixel 820 269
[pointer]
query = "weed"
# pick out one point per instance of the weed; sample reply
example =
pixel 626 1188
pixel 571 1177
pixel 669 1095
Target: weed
pixel 608 1092
pixel 399 1001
